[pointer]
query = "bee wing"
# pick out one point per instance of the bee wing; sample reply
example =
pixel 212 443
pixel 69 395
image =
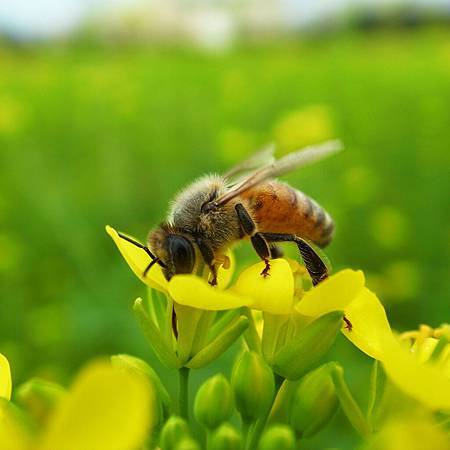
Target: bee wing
pixel 259 159
pixel 288 163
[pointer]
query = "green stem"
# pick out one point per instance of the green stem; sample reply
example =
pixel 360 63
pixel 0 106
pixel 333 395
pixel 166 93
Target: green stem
pixel 260 424
pixel 245 432
pixel 209 434
pixel 184 392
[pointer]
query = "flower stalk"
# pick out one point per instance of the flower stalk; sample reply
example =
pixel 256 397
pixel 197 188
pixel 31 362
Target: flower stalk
pixel 183 374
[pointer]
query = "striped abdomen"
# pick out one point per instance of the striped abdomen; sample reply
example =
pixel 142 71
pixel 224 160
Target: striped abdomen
pixel 278 208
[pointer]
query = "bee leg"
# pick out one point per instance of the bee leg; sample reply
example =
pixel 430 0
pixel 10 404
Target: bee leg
pixel 259 243
pixel 247 224
pixel 276 252
pixel 208 257
pixel 317 269
pixel 262 248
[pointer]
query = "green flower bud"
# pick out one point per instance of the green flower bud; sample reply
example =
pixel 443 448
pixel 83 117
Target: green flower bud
pixel 39 398
pixel 314 402
pixel 173 431
pixel 214 402
pixel 277 437
pixel 187 444
pixel 226 438
pixel 305 351
pixel 139 366
pixel 253 386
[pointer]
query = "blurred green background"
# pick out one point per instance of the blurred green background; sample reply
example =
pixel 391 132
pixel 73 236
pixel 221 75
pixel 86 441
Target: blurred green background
pixel 94 134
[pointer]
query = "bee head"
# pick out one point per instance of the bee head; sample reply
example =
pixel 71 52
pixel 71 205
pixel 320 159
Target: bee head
pixel 174 250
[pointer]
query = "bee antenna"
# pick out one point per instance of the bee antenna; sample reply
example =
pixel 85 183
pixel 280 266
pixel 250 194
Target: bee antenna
pixel 139 245
pixel 151 264
pixel 164 266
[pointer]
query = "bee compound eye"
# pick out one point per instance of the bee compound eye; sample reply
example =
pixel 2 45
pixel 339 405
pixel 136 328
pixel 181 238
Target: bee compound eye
pixel 182 254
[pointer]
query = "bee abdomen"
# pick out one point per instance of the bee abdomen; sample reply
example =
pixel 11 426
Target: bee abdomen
pixel 276 207
pixel 321 225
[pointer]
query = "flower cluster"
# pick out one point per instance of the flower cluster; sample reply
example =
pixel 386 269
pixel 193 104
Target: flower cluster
pixel 280 386
pixel 278 381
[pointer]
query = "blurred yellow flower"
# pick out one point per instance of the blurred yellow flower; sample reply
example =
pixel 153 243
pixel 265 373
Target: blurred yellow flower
pixel 304 127
pixel 12 115
pixel 106 408
pixel 5 378
pixel 418 432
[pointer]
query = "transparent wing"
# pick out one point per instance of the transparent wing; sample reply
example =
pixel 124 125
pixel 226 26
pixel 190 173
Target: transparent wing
pixel 259 159
pixel 288 163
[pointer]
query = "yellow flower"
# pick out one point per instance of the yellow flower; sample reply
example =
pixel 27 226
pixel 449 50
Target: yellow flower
pixel 416 432
pixel 5 378
pixel 274 293
pixel 105 408
pixel 410 369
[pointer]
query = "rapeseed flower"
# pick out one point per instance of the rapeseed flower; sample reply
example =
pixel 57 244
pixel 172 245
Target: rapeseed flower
pixel 5 378
pixel 366 324
pixel 410 367
pixel 274 293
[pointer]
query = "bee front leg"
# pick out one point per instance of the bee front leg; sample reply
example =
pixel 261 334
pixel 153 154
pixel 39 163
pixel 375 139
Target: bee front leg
pixel 259 243
pixel 208 257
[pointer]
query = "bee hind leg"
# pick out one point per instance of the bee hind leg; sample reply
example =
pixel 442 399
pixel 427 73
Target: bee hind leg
pixel 276 252
pixel 317 269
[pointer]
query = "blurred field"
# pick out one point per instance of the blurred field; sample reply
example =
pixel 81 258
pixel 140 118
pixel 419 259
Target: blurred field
pixel 95 136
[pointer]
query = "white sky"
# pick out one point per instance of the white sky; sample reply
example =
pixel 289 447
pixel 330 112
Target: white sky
pixel 34 18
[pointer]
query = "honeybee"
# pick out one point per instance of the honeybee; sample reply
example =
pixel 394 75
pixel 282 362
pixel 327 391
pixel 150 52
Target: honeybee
pixel 249 202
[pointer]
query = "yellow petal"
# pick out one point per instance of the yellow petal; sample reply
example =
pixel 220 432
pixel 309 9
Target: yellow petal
pixel 333 294
pixel 190 290
pixel 14 432
pixel 370 327
pixel 410 432
pixel 273 294
pixel 5 378
pixel 106 408
pixel 138 261
pixel 424 382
